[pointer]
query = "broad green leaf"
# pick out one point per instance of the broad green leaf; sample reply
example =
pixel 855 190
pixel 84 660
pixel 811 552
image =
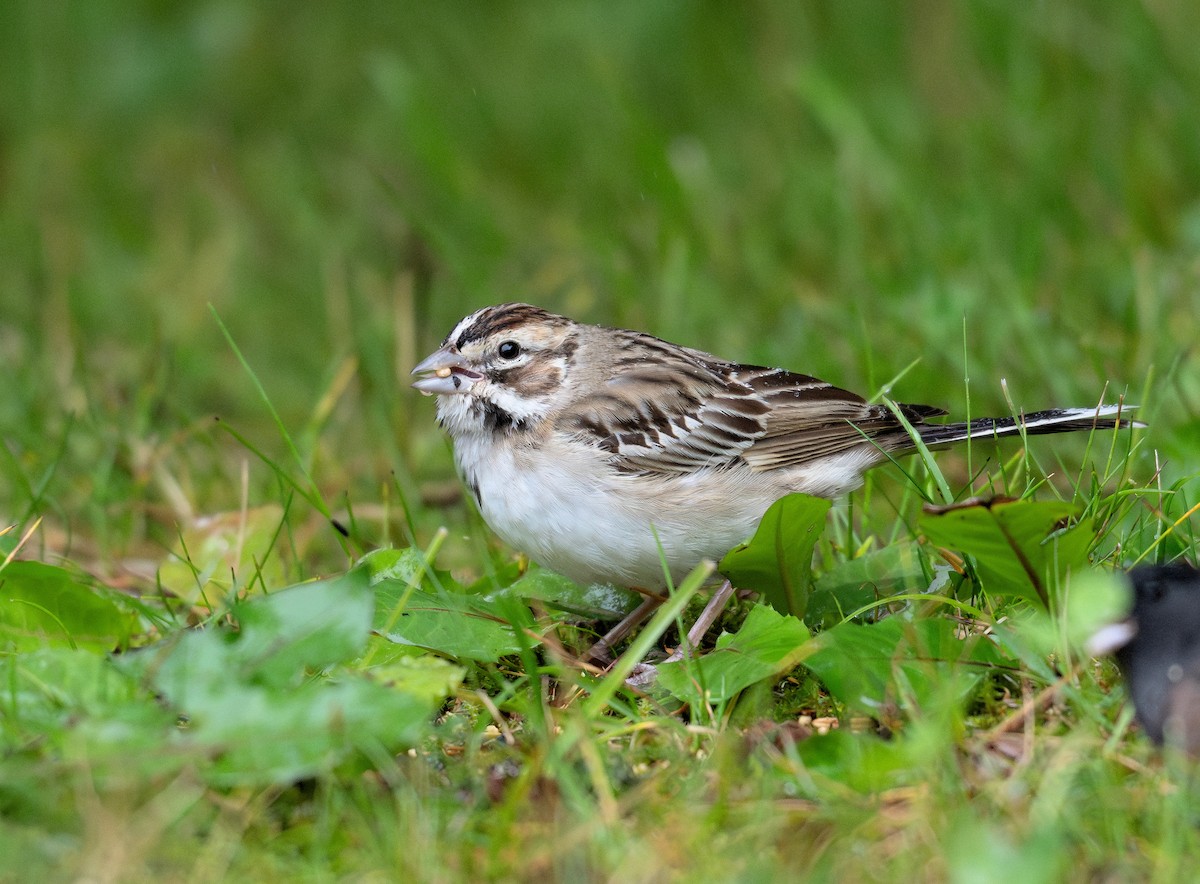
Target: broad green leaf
pixel 595 602
pixel 862 762
pixel 214 547
pixel 306 627
pixel 777 561
pixel 767 645
pixel 42 604
pixel 311 625
pixel 250 701
pixel 276 737
pixel 407 567
pixel 460 626
pixel 421 607
pixel 869 667
pixel 52 690
pixel 418 674
pixel 269 733
pixel 872 577
pixel 1019 547
pixel 80 681
pixel 71 704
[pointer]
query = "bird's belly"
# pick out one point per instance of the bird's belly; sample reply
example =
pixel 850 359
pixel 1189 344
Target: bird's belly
pixel 609 530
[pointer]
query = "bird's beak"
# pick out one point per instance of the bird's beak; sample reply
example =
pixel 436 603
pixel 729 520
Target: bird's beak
pixel 445 372
pixel 1111 638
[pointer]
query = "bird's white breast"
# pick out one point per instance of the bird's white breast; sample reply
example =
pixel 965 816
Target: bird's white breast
pixel 571 511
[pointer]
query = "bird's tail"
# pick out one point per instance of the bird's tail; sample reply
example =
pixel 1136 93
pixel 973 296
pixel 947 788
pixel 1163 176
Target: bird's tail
pixel 1038 423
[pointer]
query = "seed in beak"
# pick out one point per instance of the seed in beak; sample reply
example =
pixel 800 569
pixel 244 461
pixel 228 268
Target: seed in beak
pixel 443 372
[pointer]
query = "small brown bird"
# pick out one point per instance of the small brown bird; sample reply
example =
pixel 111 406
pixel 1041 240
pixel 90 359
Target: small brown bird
pixel 602 452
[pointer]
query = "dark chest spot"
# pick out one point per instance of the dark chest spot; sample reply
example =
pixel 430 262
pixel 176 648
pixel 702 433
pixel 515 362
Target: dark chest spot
pixel 496 419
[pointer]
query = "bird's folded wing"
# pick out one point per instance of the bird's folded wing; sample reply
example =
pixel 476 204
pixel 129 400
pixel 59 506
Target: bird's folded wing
pixel 686 410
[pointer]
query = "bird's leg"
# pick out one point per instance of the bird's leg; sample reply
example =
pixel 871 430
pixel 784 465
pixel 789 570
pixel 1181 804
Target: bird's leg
pixel 601 651
pixel 645 674
pixel 713 610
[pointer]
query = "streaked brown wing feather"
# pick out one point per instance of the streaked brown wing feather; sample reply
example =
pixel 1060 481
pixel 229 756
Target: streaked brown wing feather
pixel 669 409
pixel 810 419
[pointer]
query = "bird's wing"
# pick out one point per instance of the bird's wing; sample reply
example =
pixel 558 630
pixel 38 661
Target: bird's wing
pixel 809 419
pixel 668 409
pixel 660 408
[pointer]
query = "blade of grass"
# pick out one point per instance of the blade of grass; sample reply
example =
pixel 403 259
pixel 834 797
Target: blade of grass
pixel 314 495
pixel 922 449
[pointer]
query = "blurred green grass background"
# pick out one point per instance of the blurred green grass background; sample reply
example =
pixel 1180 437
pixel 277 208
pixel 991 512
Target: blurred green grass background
pixel 996 190
pixel 993 190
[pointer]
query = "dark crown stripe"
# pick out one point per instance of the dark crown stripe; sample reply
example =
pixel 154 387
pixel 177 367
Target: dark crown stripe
pixel 499 319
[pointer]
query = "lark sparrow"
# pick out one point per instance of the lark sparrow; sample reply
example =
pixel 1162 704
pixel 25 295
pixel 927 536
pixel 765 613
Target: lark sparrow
pixel 589 447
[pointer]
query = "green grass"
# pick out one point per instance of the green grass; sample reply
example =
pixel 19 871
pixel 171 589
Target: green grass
pixel 227 231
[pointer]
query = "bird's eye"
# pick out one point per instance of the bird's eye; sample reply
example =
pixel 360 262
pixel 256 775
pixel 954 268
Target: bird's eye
pixel 509 350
